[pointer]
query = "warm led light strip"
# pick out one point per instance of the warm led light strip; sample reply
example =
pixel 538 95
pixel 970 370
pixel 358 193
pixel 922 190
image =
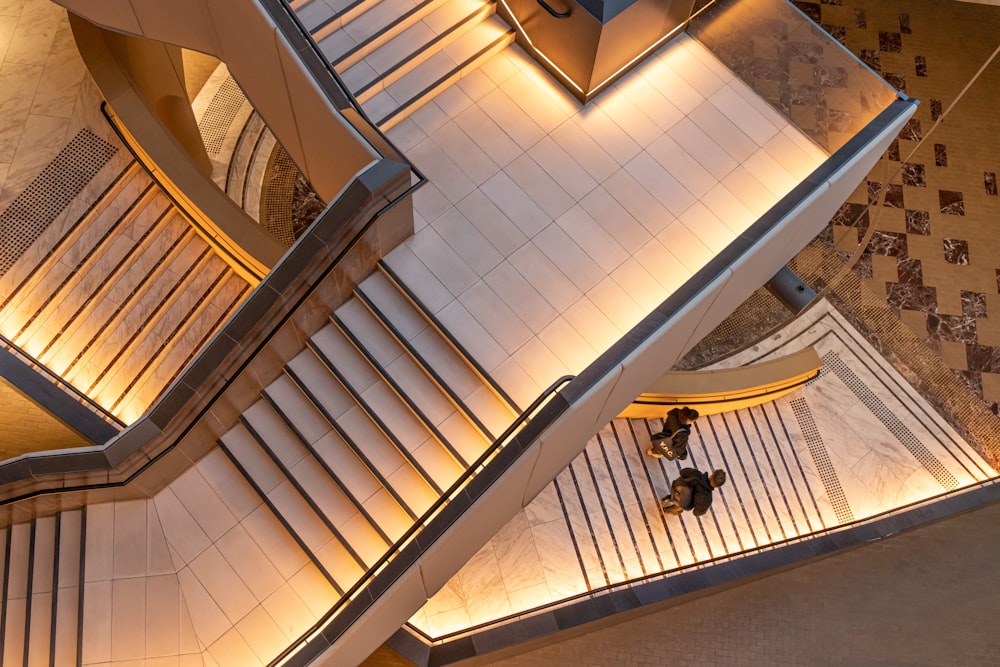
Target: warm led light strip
pixel 652 47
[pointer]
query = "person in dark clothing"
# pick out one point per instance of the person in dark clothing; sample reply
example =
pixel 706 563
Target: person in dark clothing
pixel 692 491
pixel 672 441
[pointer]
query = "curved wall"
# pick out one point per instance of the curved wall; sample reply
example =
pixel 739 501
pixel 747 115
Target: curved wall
pixel 264 63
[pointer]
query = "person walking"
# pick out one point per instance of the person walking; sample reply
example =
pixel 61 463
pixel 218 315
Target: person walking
pixel 692 491
pixel 672 441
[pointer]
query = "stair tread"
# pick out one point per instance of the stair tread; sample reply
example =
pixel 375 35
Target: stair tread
pixel 298 409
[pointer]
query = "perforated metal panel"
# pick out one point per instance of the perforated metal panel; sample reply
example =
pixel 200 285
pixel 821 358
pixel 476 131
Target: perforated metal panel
pixel 221 111
pixel 821 458
pixel 49 193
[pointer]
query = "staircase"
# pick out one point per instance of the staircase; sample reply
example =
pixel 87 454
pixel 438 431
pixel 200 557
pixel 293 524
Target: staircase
pixel 365 429
pixel 396 55
pixel 41 615
pixel 122 299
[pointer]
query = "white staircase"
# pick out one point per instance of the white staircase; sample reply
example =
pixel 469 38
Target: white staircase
pixel 395 55
pixel 365 430
pixel 41 576
pixel 121 299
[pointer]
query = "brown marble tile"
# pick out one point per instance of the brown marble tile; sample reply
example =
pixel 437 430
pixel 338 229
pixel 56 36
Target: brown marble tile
pixel 911 297
pixel 956 251
pixel 940 155
pixel 810 9
pixel 890 42
pixel 936 109
pixel 952 202
pixel 983 358
pixel 920 65
pixel 897 81
pixel 838 32
pixel 910 271
pixel 956 328
pixel 990 181
pixel 859 19
pixel 904 24
pixel 973 304
pixel 919 222
pixel 911 131
pixel 914 175
pixel 891 244
pixel 893 151
pixel 871 58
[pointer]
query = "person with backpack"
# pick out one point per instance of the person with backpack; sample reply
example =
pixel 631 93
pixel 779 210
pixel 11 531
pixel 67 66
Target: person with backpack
pixel 672 441
pixel 692 491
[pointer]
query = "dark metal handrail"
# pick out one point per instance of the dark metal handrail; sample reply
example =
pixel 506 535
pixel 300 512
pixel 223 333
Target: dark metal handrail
pixel 442 500
pixel 341 86
pixel 61 383
pixel 559 15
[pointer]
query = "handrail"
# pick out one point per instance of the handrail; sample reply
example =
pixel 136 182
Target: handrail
pixel 342 87
pixel 111 117
pixel 697 565
pixel 553 12
pixel 441 501
pixel 247 358
pixel 58 381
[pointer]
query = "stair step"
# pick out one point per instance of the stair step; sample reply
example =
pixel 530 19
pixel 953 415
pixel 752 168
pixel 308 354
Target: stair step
pixel 470 384
pixel 427 399
pixel 393 419
pixel 329 448
pixel 75 259
pixel 336 562
pixel 67 614
pixel 439 71
pixel 360 434
pixel 404 52
pixel 334 503
pixel 35 264
pixel 366 32
pixel 16 586
pixel 43 575
pixel 84 314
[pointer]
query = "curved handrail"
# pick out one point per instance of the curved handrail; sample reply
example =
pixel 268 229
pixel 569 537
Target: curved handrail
pixel 442 500
pixel 553 12
pixel 111 117
pixel 61 383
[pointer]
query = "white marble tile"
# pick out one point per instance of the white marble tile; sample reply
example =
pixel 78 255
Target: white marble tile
pixel 483 130
pixel 448 265
pixel 571 260
pixel 507 114
pixel 262 634
pixel 467 241
pixel 594 239
pixel 566 343
pixel 491 222
pixel 203 503
pixel 616 221
pixel 504 324
pixel 130 539
pixel 517 205
pixel 100 543
pixel 97 609
pixel 539 271
pixel 472 159
pixel 521 296
pixel 162 616
pixel 608 134
pixel 288 611
pixel 542 187
pixel 232 650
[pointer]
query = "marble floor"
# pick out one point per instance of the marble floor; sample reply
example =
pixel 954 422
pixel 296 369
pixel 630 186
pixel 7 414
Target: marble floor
pixel 856 441
pixel 548 229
